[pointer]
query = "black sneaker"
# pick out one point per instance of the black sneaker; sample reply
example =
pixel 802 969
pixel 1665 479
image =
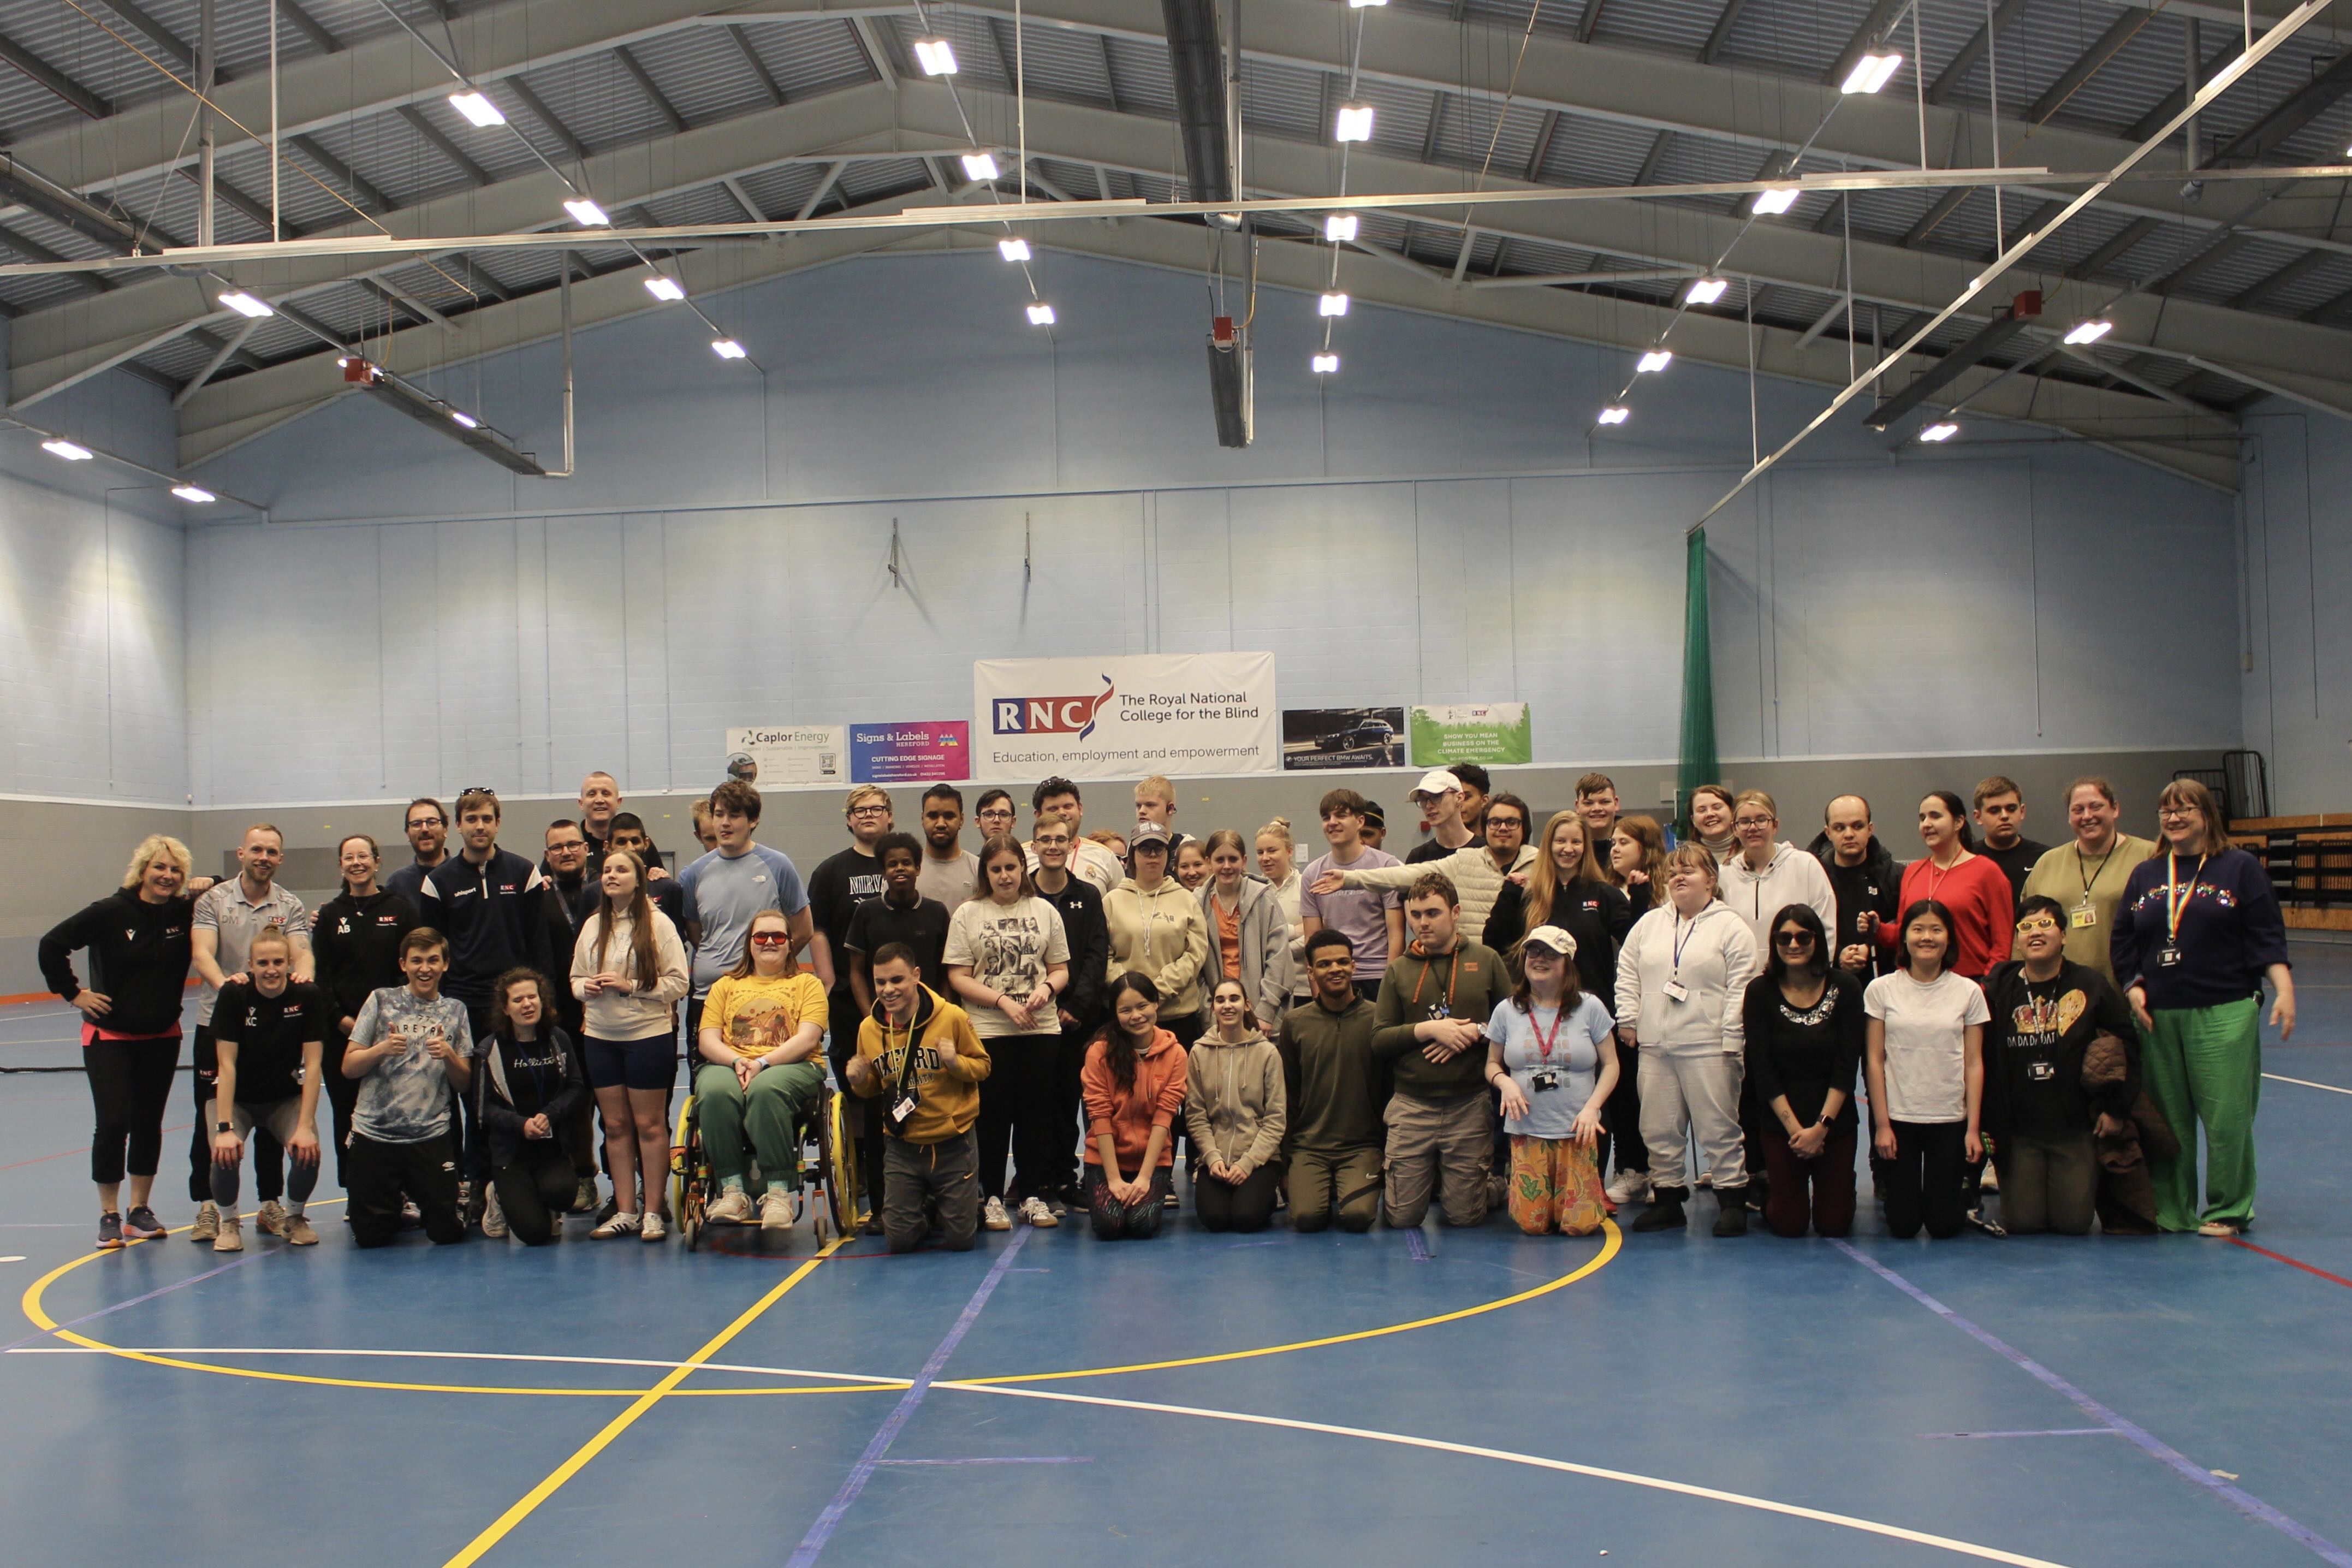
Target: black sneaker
pixel 109 1232
pixel 141 1224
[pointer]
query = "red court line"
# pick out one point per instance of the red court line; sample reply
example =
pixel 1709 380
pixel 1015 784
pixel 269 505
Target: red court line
pixel 64 1154
pixel 2283 1258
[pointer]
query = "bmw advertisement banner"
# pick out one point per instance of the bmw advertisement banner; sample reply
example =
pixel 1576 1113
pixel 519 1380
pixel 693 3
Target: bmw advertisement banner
pixel 1121 717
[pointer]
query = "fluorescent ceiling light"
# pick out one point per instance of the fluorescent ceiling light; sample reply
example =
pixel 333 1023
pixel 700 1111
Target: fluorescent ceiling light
pixel 1333 304
pixel 68 451
pixel 662 288
pixel 935 55
pixel 587 213
pixel 244 304
pixel 466 419
pixel 1360 5
pixel 980 166
pixel 727 348
pixel 1354 124
pixel 1942 430
pixel 1706 291
pixel 1657 359
pixel 1012 249
pixel 1327 364
pixel 1339 229
pixel 1770 202
pixel 477 108
pixel 1615 414
pixel 1872 72
pixel 2089 331
pixel 1041 314
pixel 195 494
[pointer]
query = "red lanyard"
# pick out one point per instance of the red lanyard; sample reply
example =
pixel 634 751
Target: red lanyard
pixel 1544 1041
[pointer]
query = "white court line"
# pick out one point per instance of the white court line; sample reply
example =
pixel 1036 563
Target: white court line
pixel 2282 1077
pixel 452 1355
pixel 1740 1499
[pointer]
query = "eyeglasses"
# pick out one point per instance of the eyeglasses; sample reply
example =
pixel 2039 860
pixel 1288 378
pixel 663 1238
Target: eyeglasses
pixel 2028 927
pixel 2174 813
pixel 1755 822
pixel 1510 823
pixel 1793 938
pixel 769 938
pixel 417 822
pixel 869 810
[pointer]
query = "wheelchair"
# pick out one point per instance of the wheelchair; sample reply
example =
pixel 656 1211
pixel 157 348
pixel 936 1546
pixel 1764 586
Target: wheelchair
pixel 829 1170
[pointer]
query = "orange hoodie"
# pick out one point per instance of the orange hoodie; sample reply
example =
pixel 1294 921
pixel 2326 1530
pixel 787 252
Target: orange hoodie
pixel 1129 1115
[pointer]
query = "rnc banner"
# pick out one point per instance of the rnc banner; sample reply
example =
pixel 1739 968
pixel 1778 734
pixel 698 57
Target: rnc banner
pixel 1125 716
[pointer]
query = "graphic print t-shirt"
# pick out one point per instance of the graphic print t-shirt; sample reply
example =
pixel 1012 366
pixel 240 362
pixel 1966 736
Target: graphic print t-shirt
pixel 1008 948
pixel 755 1014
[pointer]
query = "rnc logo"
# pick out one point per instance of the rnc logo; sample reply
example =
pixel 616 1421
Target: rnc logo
pixel 1048 715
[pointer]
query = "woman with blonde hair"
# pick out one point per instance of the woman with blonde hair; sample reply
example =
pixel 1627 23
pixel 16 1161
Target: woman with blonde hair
pixel 138 938
pixel 1278 862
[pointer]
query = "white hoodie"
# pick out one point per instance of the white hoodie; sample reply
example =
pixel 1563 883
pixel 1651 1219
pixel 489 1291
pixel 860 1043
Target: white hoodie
pixel 1790 877
pixel 1718 959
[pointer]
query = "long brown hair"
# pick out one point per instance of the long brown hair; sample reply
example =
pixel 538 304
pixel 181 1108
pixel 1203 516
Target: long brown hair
pixel 1571 988
pixel 997 844
pixel 640 916
pixel 1543 877
pixel 1119 1051
pixel 1645 832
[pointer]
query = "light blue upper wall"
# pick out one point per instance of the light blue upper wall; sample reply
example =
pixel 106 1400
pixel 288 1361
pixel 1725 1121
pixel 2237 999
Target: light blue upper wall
pixel 93 622
pixel 1433 525
pixel 2296 538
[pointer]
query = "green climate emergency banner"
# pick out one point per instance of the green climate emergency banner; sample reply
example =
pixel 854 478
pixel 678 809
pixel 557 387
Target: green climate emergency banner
pixel 1471 733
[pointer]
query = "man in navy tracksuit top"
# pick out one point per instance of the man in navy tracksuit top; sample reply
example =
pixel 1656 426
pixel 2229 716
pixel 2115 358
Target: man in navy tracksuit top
pixel 492 906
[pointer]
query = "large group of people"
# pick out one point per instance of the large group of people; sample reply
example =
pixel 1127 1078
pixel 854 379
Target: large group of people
pixel 1558 1026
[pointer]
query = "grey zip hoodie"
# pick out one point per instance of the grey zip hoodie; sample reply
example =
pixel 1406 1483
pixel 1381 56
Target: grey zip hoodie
pixel 1233 1101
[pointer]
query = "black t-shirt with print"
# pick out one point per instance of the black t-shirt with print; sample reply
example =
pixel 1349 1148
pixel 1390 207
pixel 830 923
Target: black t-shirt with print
pixel 270 1033
pixel 2033 1079
pixel 836 889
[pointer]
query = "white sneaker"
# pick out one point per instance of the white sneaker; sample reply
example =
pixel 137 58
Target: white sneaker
pixel 993 1216
pixel 776 1209
pixel 494 1217
pixel 271 1218
pixel 730 1207
pixel 1630 1187
pixel 1034 1211
pixel 621 1224
pixel 653 1229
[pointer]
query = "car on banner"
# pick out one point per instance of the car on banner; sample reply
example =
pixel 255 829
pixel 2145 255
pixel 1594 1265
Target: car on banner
pixel 1342 738
pixel 1358 737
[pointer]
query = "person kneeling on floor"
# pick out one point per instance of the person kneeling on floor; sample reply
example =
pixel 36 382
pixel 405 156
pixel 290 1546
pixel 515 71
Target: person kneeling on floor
pixel 920 1057
pixel 1334 1093
pixel 412 1050
pixel 1134 1084
pixel 762 1028
pixel 532 1087
pixel 1550 1051
pixel 270 1034
pixel 1234 1110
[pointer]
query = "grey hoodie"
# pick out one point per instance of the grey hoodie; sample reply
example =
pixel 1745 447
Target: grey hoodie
pixel 1234 1105
pixel 1266 935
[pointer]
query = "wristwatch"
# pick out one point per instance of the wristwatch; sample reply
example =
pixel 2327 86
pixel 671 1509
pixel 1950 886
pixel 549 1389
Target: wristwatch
pixel 224 1126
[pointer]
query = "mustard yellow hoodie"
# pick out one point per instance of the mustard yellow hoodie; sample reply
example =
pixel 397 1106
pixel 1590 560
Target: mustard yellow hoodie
pixel 949 1091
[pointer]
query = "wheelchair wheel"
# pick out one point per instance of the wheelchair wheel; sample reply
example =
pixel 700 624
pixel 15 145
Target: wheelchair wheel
pixel 834 1202
pixel 840 1175
pixel 690 1181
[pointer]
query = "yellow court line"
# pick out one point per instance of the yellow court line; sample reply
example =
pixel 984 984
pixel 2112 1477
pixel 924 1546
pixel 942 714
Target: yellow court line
pixel 1614 1239
pixel 504 1524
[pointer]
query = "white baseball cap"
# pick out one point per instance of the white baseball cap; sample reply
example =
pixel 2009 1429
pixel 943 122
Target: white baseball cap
pixel 1436 781
pixel 1551 938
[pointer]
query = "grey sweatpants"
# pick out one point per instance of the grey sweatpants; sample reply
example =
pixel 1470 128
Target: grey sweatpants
pixel 1693 1087
pixel 921 1181
pixel 1449 1147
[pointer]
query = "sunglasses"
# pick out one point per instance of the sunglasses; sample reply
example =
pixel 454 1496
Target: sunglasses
pixel 2027 928
pixel 769 938
pixel 1793 938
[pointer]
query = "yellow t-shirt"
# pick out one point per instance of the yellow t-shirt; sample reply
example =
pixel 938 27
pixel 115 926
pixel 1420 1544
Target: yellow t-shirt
pixel 755 1015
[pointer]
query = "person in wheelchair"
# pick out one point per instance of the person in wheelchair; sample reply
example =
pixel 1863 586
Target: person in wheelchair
pixel 762 1030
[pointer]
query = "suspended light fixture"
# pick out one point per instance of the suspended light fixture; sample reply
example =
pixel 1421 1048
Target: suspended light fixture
pixel 68 451
pixel 1872 72
pixel 1339 229
pixel 662 288
pixel 244 304
pixel 465 420
pixel 935 55
pixel 1353 123
pixel 587 213
pixel 1770 202
pixel 2089 331
pixel 194 495
pixel 1655 359
pixel 1012 249
pixel 477 108
pixel 1326 364
pixel 1332 304
pixel 1041 314
pixel 980 166
pixel 1707 292
pixel 1942 430
pixel 727 348
pixel 1615 414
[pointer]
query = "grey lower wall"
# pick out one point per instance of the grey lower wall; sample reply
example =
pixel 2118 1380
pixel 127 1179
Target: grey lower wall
pixel 62 857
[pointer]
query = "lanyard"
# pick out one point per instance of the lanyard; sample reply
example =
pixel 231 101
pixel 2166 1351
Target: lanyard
pixel 1450 975
pixel 2175 900
pixel 1682 937
pixel 2091 877
pixel 1544 1041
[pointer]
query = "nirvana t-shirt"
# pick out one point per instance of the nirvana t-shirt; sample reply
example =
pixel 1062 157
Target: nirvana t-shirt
pixel 755 1014
pixel 1007 947
pixel 268 1033
pixel 836 888
pixel 2034 1049
pixel 405 1097
pixel 1926 1048
pixel 1575 1054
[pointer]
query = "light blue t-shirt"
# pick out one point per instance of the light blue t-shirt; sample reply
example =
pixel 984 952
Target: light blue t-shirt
pixel 1575 1047
pixel 724 896
pixel 407 1099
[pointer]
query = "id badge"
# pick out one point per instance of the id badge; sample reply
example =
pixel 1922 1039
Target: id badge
pixel 2084 918
pixel 1548 1079
pixel 2166 957
pixel 902 1111
pixel 1677 991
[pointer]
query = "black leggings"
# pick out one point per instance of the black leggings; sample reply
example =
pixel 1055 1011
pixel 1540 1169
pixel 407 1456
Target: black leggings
pixel 1623 1115
pixel 342 1097
pixel 301 1180
pixel 269 1154
pixel 1247 1207
pixel 535 1189
pixel 1016 1114
pixel 1922 1183
pixel 129 1088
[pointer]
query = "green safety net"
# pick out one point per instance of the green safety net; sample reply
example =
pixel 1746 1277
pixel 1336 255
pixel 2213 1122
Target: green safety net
pixel 1696 762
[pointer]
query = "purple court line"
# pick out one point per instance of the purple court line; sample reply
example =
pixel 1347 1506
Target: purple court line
pixel 2057 1432
pixel 1417 1244
pixel 2146 1441
pixel 118 1306
pixel 821 1532
pixel 1005 1459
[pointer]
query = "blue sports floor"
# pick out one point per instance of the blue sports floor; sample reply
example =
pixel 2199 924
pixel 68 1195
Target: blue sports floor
pixel 1661 1402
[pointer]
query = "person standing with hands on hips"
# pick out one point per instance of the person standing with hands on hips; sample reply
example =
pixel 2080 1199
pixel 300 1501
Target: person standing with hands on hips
pixel 2198 931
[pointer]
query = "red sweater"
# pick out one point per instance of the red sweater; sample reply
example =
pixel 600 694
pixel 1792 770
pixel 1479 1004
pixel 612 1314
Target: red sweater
pixel 1129 1115
pixel 1978 893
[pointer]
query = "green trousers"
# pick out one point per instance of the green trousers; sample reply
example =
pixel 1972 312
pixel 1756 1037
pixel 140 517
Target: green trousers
pixel 769 1112
pixel 2205 1064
